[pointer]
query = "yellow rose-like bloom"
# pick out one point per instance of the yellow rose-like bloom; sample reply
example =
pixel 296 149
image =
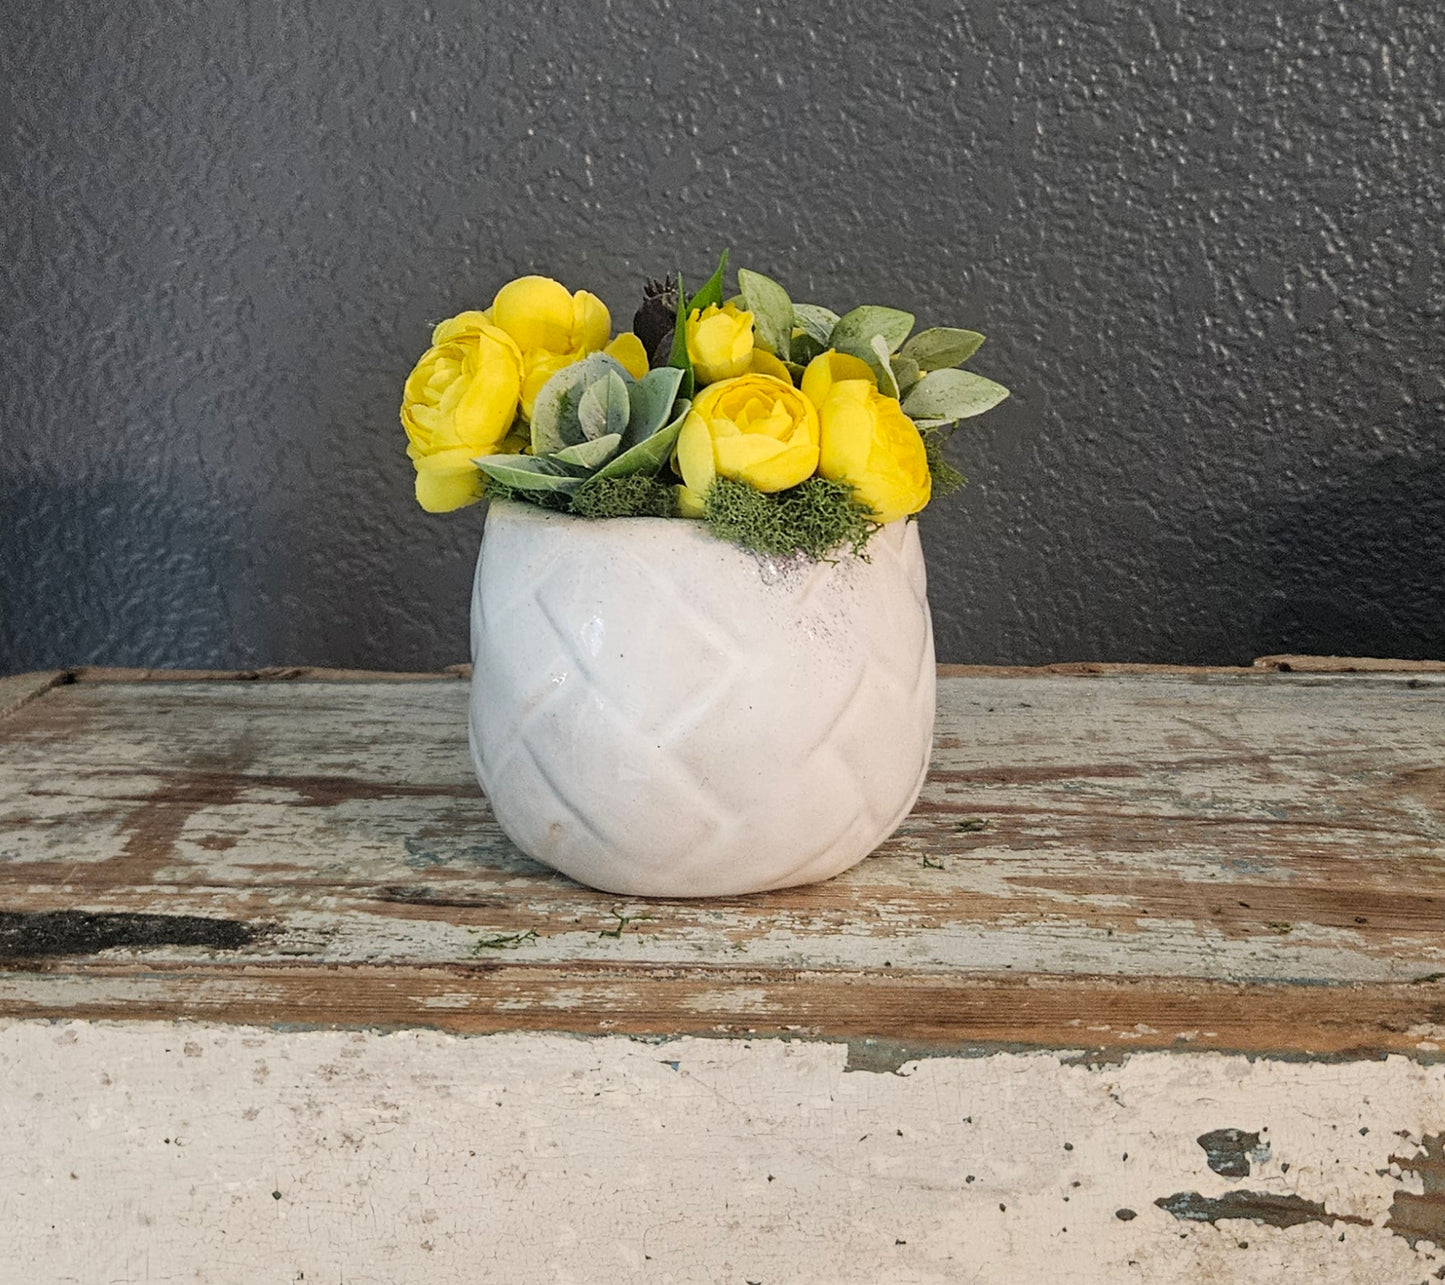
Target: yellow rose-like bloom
pixel 550 326
pixel 763 362
pixel 754 429
pixel 827 368
pixel 868 442
pixel 540 313
pixel 719 342
pixel 459 402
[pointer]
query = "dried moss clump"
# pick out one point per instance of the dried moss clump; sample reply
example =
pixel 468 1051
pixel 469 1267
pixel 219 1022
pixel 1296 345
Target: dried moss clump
pixel 634 496
pixel 815 518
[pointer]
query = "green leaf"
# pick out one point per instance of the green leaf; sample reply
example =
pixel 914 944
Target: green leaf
pixel 882 367
pixel 905 371
pixel 854 330
pixel 679 357
pixel 605 406
pixel 649 455
pixel 941 347
pixel 711 292
pixel 772 312
pixel 949 395
pixel 653 397
pixel 816 320
pixel 528 473
pixel 590 455
pixel 805 347
pixel 555 419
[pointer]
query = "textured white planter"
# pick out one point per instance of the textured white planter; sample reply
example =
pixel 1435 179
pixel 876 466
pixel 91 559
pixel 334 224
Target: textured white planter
pixel 657 712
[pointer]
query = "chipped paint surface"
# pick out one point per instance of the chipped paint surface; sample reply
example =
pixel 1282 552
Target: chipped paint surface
pixel 233 1155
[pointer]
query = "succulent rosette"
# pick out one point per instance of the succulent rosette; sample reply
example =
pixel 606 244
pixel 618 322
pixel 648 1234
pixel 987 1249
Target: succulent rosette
pixel 786 427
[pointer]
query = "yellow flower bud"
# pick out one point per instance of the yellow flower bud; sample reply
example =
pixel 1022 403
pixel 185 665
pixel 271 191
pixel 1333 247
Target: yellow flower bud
pixel 827 368
pixel 459 402
pixel 754 429
pixel 627 348
pixel 540 313
pixel 869 443
pixel 719 342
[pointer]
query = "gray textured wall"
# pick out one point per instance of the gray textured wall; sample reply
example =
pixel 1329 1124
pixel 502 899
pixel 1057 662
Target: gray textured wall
pixel 1203 237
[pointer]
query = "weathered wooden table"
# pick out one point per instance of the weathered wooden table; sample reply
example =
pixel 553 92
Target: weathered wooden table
pixel 1150 986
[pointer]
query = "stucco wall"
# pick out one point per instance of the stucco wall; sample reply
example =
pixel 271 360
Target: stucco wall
pixel 1204 240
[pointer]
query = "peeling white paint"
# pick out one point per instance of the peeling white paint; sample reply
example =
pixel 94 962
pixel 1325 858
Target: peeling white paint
pixel 152 1151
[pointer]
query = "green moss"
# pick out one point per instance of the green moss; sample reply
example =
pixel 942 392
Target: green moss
pixel 636 496
pixel 946 478
pixel 815 518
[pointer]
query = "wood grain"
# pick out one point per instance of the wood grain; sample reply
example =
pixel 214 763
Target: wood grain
pixel 1203 859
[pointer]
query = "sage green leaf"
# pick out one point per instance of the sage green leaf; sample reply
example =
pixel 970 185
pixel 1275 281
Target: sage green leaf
pixel 590 455
pixel 605 406
pixel 882 367
pixel 949 395
pixel 797 371
pixel 772 312
pixel 649 455
pixel 653 397
pixel 555 418
pixel 816 320
pixel 905 371
pixel 805 347
pixel 528 473
pixel 941 347
pixel 711 292
pixel 855 329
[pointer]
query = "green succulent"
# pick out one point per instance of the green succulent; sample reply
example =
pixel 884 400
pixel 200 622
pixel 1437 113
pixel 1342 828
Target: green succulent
pixel 593 421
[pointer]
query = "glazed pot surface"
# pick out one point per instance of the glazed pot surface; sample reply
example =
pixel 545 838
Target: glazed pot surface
pixel 657 712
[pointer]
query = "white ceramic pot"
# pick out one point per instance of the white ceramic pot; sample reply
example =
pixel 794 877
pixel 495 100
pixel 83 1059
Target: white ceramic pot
pixel 657 712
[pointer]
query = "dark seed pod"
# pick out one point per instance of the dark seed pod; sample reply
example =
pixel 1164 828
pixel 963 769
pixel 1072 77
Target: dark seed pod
pixel 655 319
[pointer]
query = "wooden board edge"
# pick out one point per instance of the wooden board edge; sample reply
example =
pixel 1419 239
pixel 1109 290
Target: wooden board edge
pixel 1098 1017
pixel 1346 665
pixel 17 690
pixel 1322 665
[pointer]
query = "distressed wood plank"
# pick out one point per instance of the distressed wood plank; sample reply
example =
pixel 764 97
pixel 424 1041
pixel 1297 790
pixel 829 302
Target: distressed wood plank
pixel 1210 837
pixel 19 689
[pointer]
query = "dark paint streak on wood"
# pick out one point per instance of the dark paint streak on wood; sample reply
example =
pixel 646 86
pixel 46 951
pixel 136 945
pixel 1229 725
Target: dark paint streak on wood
pixel 1258 1206
pixel 1230 1151
pixel 1422 1217
pixel 198 789
pixel 77 932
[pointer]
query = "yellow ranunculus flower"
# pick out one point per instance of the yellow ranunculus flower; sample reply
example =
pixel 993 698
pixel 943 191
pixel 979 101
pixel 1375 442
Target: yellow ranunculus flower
pixel 540 313
pixel 754 429
pixel 868 442
pixel 627 348
pixel 827 368
pixel 551 326
pixel 719 342
pixel 459 402
pixel 764 363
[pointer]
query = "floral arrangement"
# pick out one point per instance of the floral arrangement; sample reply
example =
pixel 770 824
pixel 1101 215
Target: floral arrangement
pixel 786 427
